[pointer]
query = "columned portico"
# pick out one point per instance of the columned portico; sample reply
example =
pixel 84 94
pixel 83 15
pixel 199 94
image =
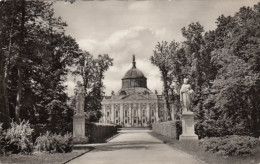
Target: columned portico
pixel 134 105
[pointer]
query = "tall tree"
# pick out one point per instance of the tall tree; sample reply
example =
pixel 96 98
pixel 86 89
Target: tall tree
pixel 92 72
pixel 37 55
pixel 231 106
pixel 163 58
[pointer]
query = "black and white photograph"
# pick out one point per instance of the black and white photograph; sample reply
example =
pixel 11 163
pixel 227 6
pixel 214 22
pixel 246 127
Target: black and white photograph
pixel 129 82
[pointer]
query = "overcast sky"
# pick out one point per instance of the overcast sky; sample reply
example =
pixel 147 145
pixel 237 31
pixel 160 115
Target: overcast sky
pixel 124 28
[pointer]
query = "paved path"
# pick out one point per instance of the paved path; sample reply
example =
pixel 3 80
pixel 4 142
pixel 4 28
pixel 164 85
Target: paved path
pixel 135 147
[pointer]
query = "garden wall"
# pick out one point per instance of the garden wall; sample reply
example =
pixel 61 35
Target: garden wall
pixel 171 129
pixel 97 132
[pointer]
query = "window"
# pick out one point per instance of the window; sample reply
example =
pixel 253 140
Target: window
pixel 126 121
pixel 117 121
pixel 152 112
pixel 116 113
pixel 134 112
pixel 134 121
pixel 152 120
pixel 143 120
pixel 143 112
pixel 107 114
pixel 122 93
pixel 125 113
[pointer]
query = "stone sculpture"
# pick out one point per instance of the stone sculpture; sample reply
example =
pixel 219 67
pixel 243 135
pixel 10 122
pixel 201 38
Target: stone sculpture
pixel 79 116
pixel 80 99
pixel 186 96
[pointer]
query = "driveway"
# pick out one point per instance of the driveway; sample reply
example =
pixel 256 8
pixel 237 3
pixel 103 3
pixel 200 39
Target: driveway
pixel 134 147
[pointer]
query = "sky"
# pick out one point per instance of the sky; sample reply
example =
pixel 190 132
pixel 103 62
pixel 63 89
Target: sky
pixel 124 28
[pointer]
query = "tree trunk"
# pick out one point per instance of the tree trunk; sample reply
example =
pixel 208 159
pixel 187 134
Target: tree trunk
pixel 4 105
pixel 166 95
pixel 19 71
pixel 5 64
pixel 18 97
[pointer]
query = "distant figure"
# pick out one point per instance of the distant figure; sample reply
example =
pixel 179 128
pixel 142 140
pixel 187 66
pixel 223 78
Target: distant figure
pixel 186 96
pixel 80 99
pixel 156 92
pixel 112 93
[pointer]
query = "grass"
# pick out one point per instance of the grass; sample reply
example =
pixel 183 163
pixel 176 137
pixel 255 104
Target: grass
pixel 193 149
pixel 43 158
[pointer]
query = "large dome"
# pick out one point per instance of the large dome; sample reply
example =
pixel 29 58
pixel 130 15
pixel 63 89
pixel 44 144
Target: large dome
pixel 134 73
pixel 134 78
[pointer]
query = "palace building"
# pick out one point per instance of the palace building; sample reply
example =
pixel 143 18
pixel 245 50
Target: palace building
pixel 134 105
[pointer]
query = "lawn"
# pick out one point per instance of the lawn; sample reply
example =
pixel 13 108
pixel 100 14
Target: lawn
pixel 56 158
pixel 197 152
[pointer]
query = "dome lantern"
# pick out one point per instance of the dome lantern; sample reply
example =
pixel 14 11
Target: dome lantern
pixel 134 66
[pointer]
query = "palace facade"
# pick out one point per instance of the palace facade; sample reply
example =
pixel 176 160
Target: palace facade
pixel 134 105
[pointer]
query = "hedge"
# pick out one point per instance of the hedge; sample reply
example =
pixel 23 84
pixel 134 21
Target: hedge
pixel 171 129
pixel 230 145
pixel 97 132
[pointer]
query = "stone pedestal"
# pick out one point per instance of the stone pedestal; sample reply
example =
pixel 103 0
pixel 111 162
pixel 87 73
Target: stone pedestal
pixel 79 129
pixel 188 132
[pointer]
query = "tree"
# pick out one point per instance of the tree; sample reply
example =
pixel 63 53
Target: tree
pixel 231 106
pixel 101 65
pixel 163 56
pixel 223 68
pixel 36 58
pixel 92 72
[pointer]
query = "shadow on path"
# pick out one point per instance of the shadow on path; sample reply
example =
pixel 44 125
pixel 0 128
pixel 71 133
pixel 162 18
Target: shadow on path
pixel 125 145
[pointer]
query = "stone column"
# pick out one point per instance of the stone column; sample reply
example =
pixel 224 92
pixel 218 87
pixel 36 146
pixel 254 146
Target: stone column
pixel 121 113
pixel 148 110
pixel 139 114
pixel 112 113
pixel 130 114
pixel 188 132
pixel 156 112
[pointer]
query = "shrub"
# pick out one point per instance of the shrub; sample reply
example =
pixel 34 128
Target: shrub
pixel 17 139
pixel 171 129
pixel 97 132
pixel 44 142
pixel 230 145
pixel 63 144
pixel 60 128
pixel 53 143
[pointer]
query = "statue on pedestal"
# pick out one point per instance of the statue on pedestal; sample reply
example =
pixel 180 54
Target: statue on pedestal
pixel 80 99
pixel 186 96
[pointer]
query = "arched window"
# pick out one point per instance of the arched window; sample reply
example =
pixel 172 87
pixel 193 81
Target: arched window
pixel 123 93
pixel 161 113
